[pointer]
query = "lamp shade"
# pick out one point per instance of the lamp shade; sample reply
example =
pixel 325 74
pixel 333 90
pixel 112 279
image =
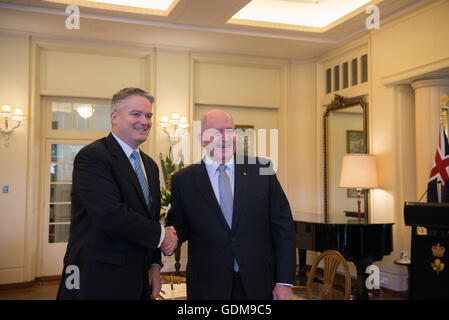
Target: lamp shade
pixel 358 171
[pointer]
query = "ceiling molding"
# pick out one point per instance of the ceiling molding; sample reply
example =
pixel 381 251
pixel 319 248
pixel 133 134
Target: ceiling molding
pixel 46 10
pixel 197 26
pixel 409 75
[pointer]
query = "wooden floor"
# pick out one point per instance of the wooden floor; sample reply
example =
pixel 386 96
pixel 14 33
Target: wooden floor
pixel 46 290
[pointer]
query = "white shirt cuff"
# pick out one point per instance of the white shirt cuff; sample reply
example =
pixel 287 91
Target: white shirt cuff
pixel 284 284
pixel 162 236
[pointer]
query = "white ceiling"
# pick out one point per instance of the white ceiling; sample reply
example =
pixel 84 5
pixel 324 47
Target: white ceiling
pixel 196 24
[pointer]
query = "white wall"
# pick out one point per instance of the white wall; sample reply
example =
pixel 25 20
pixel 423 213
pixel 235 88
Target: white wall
pixel 14 90
pixel 302 163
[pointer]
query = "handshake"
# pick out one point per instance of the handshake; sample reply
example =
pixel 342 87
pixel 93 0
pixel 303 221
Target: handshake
pixel 170 242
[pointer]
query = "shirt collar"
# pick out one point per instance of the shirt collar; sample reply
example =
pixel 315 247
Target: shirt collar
pixel 126 148
pixel 212 166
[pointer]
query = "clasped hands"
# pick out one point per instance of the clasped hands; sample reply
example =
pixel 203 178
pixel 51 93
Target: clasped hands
pixel 170 242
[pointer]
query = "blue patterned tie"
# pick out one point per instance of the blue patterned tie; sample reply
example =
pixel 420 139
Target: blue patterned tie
pixel 226 199
pixel 141 177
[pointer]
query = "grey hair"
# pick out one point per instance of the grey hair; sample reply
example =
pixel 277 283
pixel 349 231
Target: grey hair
pixel 128 92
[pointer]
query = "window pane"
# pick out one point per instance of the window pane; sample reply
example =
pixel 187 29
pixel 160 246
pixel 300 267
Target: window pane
pixel 364 61
pixel 60 212
pixel 64 152
pixel 345 75
pixel 336 78
pixel 60 192
pixel 328 81
pixel 61 118
pixel 61 172
pixel 58 233
pixel 82 116
pixel 102 120
pixel 354 72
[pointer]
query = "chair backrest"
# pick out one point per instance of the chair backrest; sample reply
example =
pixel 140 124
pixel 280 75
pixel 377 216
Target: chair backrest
pixel 332 259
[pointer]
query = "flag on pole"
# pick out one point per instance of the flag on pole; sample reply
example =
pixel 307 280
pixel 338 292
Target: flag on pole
pixel 439 173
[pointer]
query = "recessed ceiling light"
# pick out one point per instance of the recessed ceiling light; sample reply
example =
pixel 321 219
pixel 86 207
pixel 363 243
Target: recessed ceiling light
pixel 147 4
pixel 153 7
pixel 308 13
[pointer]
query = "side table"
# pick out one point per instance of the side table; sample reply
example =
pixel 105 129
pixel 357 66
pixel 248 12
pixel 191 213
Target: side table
pixel 406 263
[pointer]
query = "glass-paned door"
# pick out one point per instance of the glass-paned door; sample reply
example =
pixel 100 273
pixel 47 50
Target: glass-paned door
pixel 59 157
pixel 69 124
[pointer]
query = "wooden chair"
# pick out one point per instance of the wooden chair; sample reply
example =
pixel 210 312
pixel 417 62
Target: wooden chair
pixel 332 259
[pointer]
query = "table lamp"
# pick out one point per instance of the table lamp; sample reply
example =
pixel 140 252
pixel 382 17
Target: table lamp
pixel 358 171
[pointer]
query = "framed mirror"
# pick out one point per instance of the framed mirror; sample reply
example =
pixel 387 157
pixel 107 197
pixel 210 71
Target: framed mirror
pixel 345 125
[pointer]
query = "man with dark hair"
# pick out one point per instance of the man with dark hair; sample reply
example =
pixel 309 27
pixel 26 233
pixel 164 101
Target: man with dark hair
pixel 115 233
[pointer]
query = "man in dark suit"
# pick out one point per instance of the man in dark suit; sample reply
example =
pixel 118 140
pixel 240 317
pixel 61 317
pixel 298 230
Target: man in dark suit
pixel 237 220
pixel 115 233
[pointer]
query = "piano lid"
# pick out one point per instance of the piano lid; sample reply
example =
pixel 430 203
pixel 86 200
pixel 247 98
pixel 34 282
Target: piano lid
pixel 333 219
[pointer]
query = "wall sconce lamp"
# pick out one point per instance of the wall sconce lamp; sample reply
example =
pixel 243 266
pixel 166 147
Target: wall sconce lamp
pixel 6 115
pixel 178 125
pixel 358 171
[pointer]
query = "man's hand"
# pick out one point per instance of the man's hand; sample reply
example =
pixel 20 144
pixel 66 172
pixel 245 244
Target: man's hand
pixel 281 292
pixel 154 277
pixel 170 241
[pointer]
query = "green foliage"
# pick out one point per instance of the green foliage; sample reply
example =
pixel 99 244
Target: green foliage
pixel 168 167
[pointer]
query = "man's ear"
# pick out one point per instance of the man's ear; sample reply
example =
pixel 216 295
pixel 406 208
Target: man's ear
pixel 114 116
pixel 200 139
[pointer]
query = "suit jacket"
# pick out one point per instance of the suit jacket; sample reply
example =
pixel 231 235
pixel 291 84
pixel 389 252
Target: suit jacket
pixel 113 234
pixel 262 237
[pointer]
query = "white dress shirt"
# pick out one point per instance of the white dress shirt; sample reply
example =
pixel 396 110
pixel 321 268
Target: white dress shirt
pixel 212 166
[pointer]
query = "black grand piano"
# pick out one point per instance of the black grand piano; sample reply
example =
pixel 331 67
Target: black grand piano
pixel 360 243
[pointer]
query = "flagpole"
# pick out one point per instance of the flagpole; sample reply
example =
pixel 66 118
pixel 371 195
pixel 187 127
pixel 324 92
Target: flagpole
pixel 444 99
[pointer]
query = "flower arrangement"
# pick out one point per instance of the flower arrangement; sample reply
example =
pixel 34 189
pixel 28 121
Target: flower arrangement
pixel 168 168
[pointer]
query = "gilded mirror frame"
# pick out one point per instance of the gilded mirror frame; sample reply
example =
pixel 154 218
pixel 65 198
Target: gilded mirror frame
pixel 338 103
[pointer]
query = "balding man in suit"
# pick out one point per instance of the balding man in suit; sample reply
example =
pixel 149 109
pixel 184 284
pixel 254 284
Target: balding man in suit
pixel 238 222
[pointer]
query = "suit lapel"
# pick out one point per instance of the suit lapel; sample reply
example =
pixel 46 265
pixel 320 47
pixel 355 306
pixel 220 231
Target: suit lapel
pixel 240 190
pixel 125 165
pixel 205 187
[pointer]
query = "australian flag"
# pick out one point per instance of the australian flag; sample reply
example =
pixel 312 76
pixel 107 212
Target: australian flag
pixel 440 169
